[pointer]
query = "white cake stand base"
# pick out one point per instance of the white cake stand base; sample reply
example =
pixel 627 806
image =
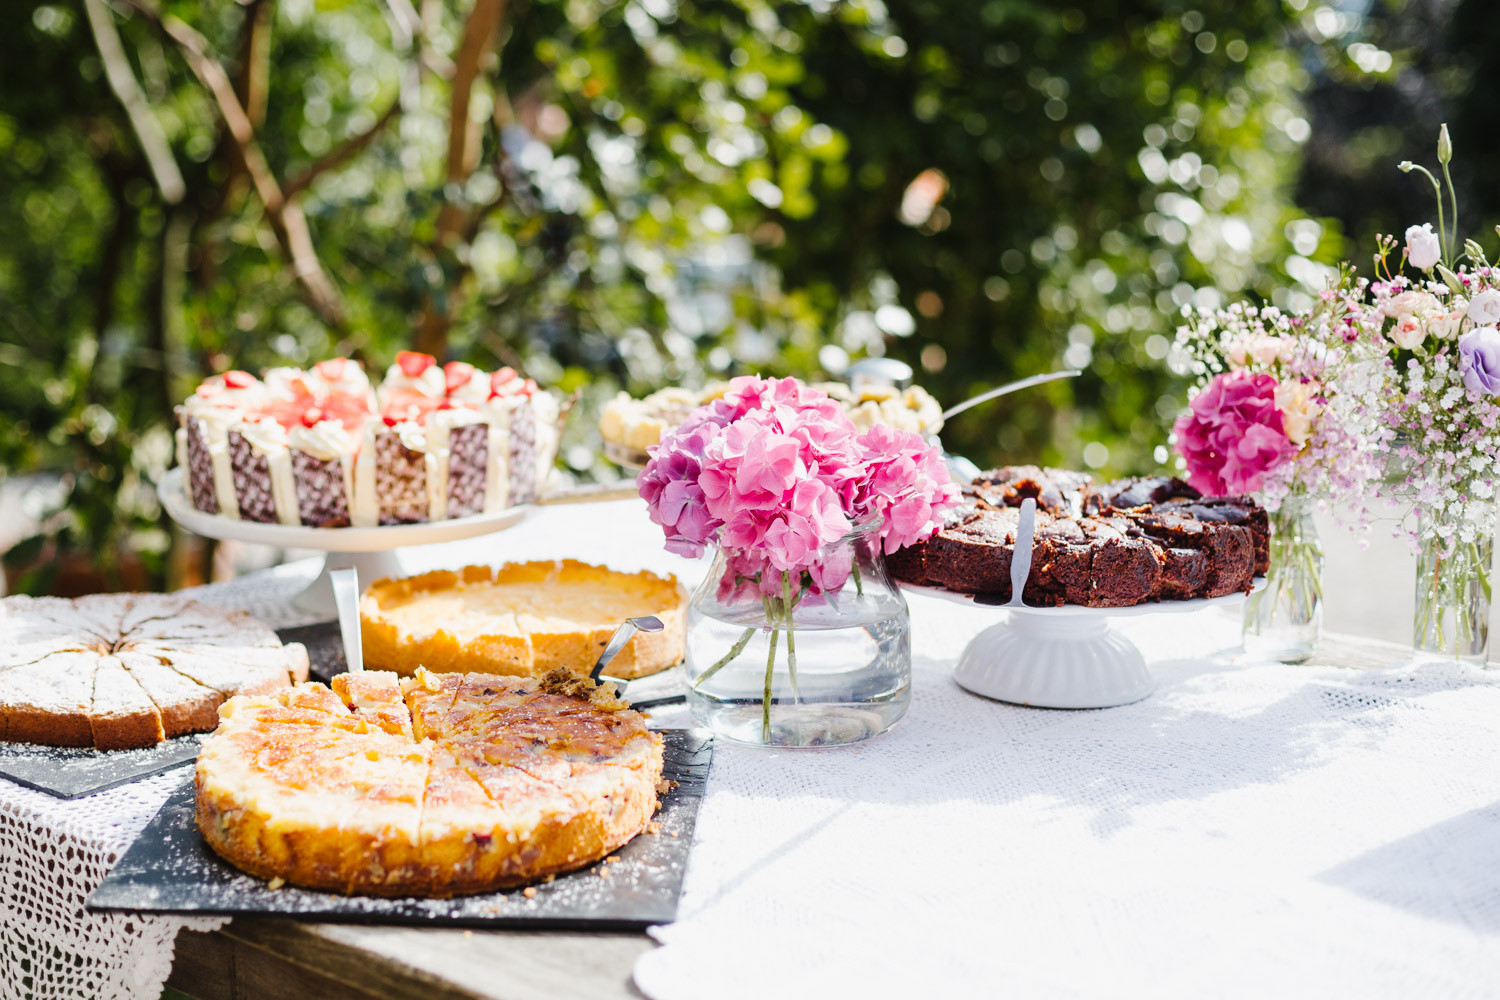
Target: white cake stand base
pixel 371 551
pixel 317 596
pixel 1067 657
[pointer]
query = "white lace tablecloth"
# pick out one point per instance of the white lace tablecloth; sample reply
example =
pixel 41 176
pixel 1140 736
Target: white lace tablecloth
pixel 54 852
pixel 1246 831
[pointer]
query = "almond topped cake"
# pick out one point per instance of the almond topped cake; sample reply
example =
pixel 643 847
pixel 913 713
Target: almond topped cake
pixel 1109 545
pixel 323 447
pixel 119 671
pixel 432 785
pixel 522 618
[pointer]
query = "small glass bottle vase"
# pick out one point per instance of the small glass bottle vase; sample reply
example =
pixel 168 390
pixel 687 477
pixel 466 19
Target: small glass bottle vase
pixel 814 657
pixel 1284 618
pixel 1453 597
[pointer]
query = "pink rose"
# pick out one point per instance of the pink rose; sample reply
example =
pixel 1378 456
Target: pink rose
pixel 1233 435
pixel 1408 332
pixel 1410 301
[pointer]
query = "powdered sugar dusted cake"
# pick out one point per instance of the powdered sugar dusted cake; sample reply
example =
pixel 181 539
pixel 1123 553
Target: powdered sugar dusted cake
pixel 117 671
pixel 323 447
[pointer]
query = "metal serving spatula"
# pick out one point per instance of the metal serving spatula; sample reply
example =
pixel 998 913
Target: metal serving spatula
pixel 1020 559
pixel 346 599
pixel 628 628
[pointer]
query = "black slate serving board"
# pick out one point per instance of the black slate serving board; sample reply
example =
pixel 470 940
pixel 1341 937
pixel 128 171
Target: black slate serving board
pixel 169 869
pixel 325 648
pixel 73 772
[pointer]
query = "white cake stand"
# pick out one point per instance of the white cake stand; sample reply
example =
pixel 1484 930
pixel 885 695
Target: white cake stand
pixel 370 551
pixel 1065 657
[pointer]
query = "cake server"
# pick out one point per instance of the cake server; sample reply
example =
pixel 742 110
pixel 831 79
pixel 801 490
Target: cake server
pixel 1007 389
pixel 1020 559
pixel 628 628
pixel 346 599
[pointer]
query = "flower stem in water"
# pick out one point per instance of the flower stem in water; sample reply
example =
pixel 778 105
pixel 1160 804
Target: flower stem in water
pixel 791 633
pixel 765 698
pixel 727 658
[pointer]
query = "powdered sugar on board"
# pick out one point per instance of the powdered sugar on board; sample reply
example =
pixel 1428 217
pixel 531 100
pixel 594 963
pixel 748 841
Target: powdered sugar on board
pixel 73 772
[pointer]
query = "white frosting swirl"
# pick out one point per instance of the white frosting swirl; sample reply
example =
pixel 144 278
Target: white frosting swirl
pixel 473 392
pixel 459 416
pixel 215 418
pixel 282 383
pixel 429 383
pixel 351 378
pixel 412 434
pixel 325 440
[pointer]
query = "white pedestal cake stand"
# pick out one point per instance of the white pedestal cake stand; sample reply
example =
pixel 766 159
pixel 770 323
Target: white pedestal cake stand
pixel 370 551
pixel 1065 657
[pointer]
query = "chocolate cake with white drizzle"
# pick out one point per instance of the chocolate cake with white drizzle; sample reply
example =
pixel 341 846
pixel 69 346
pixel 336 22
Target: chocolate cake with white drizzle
pixel 1116 545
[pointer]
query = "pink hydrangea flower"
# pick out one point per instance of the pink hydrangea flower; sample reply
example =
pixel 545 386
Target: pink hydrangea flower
pixel 776 473
pixel 1232 435
pixel 907 483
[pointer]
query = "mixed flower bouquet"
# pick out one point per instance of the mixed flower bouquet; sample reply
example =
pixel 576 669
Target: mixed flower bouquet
pixel 776 475
pixel 1269 414
pixel 1432 315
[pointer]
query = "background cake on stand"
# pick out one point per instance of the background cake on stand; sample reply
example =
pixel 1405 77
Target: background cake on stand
pixel 434 453
pixel 322 448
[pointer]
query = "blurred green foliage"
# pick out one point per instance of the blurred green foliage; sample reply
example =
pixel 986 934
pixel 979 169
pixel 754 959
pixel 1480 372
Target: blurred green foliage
pixel 651 192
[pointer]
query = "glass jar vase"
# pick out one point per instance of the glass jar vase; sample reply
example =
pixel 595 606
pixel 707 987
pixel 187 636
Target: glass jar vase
pixel 1453 596
pixel 812 657
pixel 1282 620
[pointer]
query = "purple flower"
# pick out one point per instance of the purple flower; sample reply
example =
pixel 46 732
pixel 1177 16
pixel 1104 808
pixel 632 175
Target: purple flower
pixel 1479 360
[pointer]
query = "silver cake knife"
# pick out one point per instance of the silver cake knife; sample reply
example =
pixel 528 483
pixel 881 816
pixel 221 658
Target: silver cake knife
pixel 1020 559
pixel 628 628
pixel 346 599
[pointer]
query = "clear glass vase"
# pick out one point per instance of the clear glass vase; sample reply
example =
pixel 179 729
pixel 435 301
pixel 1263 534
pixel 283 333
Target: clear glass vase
pixel 810 658
pixel 1284 619
pixel 1453 598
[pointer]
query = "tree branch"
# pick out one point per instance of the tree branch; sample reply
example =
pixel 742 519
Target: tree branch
pixel 122 81
pixel 287 219
pixel 454 223
pixel 252 81
pixel 295 185
pixel 480 31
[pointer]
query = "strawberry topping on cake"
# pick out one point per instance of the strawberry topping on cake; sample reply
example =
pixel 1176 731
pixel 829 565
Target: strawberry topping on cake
pixel 413 364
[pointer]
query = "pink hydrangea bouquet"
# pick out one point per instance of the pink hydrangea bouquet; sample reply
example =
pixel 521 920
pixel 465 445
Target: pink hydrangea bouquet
pixel 1267 415
pixel 774 471
pixel 776 475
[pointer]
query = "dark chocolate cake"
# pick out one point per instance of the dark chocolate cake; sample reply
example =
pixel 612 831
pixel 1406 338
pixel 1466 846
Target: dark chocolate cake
pixel 200 468
pixel 1111 546
pixel 522 455
pixel 252 480
pixel 400 481
pixel 322 499
pixel 468 458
